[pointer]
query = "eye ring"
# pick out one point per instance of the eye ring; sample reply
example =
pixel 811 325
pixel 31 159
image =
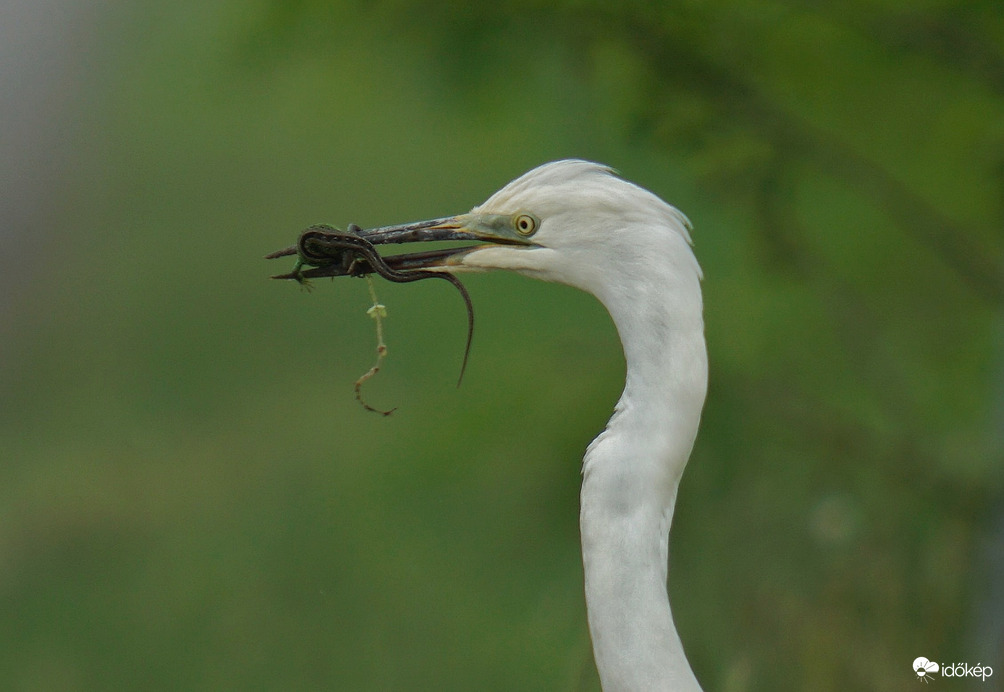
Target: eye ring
pixel 525 224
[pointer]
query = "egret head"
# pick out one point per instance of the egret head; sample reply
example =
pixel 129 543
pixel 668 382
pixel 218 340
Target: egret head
pixel 569 221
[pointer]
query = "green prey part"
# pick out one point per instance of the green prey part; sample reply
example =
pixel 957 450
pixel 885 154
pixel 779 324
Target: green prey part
pixel 297 274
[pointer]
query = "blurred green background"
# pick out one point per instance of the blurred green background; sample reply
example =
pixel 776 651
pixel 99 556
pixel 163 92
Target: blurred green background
pixel 190 497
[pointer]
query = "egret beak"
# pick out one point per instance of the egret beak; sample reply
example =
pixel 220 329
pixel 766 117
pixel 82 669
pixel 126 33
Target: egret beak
pixel 487 228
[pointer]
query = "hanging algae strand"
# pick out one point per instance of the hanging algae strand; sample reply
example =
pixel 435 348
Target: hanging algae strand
pixel 377 311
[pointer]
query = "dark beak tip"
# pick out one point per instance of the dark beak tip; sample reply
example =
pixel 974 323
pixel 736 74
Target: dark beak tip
pixel 285 252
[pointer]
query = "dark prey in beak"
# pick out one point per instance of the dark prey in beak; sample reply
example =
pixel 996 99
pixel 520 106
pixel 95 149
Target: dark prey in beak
pixel 333 252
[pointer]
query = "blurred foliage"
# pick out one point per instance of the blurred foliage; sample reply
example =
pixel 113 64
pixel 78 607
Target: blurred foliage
pixel 191 499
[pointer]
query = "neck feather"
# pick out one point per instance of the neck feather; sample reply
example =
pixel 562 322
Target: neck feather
pixel 630 477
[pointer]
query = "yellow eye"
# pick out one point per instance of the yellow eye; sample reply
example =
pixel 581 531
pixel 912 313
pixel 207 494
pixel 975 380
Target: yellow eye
pixel 525 224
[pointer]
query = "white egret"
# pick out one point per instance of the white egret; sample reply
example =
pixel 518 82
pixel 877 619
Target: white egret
pixel 577 223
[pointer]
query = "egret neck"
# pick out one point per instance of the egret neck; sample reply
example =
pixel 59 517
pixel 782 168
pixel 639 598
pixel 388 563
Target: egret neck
pixel 631 473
